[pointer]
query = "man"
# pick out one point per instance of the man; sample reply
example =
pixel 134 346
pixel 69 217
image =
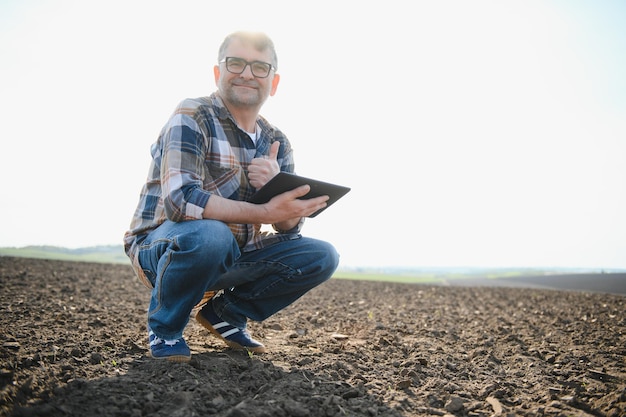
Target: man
pixel 194 232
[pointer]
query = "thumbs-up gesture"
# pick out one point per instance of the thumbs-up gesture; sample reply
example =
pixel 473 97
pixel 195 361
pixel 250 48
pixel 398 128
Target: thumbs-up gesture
pixel 261 170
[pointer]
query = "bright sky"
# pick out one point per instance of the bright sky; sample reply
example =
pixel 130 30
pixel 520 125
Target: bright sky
pixel 482 133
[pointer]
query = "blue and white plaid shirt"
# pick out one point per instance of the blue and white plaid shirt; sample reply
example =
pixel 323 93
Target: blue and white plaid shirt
pixel 200 152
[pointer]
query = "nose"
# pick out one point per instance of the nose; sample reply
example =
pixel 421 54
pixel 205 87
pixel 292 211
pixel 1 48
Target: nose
pixel 247 72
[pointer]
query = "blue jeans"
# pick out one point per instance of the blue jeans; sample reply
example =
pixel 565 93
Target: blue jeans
pixel 183 260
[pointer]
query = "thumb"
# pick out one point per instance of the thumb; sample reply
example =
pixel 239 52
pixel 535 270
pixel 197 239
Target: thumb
pixel 274 151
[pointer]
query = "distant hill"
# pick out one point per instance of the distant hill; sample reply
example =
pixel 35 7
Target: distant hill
pixel 103 254
pixel 603 282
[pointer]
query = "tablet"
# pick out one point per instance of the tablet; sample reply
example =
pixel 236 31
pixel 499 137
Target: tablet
pixel 284 182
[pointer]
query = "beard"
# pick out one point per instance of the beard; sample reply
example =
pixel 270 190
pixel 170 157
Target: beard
pixel 243 97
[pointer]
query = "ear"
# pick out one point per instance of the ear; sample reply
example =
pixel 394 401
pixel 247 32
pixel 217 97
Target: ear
pixel 216 74
pixel 275 82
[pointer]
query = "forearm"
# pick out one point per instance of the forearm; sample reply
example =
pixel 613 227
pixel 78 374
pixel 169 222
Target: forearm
pixel 232 211
pixel 284 211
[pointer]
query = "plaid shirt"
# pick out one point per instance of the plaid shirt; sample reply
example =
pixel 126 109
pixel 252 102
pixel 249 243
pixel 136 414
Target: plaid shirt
pixel 200 152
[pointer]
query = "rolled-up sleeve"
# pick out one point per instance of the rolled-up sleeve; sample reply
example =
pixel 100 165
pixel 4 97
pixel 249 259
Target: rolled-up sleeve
pixel 182 169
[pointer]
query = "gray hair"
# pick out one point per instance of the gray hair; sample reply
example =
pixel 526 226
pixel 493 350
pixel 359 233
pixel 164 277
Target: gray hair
pixel 259 40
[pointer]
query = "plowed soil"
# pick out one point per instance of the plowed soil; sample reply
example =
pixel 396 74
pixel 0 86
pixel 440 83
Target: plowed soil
pixel 74 344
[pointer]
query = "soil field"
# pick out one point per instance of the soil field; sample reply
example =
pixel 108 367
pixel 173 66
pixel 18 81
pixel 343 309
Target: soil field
pixel 74 344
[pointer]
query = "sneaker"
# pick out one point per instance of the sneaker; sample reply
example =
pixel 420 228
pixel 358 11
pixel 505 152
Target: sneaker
pixel 172 350
pixel 234 337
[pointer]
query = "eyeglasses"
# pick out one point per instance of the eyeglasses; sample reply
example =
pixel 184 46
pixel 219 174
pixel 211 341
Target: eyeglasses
pixel 236 65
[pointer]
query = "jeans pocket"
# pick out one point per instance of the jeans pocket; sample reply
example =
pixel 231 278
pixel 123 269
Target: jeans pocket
pixel 144 254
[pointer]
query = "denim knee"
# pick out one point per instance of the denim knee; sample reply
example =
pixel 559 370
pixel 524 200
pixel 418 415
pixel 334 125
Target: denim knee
pixel 332 257
pixel 321 256
pixel 209 241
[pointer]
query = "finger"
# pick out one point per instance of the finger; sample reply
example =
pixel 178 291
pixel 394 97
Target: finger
pixel 274 150
pixel 317 208
pixel 301 191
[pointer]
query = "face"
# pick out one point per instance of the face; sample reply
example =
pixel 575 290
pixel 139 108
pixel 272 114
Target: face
pixel 245 90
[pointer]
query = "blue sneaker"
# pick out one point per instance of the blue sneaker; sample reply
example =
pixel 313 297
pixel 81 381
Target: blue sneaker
pixel 234 337
pixel 172 350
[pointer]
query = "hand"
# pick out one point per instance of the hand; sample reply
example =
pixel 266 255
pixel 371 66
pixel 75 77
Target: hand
pixel 289 207
pixel 261 170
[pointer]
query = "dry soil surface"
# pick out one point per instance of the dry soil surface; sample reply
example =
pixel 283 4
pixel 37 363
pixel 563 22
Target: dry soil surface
pixel 74 344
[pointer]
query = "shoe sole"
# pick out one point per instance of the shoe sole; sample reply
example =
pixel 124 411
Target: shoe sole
pixel 207 325
pixel 173 358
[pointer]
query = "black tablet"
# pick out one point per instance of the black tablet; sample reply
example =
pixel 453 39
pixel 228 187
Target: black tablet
pixel 284 182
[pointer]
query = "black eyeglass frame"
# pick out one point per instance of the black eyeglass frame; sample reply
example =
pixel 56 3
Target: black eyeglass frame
pixel 248 64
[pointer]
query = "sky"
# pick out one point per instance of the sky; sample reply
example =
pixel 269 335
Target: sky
pixel 482 133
